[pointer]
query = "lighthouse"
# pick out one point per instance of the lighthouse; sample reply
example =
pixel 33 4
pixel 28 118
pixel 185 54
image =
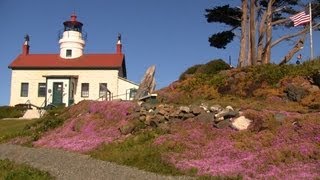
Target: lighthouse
pixel 72 40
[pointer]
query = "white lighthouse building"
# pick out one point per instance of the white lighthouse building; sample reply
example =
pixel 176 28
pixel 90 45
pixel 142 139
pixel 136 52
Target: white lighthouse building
pixel 70 76
pixel 72 42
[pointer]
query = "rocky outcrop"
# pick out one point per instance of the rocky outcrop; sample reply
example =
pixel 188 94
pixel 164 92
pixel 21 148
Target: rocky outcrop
pixel 162 115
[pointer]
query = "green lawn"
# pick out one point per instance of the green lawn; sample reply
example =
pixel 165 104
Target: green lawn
pixel 12 128
pixel 13 171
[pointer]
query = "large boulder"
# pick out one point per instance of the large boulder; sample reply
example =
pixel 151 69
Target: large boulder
pixel 240 123
pixel 295 93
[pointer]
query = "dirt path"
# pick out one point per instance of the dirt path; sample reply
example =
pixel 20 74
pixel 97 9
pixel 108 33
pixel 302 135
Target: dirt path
pixel 67 165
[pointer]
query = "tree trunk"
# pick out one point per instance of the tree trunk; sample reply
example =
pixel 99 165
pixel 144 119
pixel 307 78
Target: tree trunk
pixel 267 49
pixel 294 50
pixel 252 33
pixel 261 34
pixel 243 41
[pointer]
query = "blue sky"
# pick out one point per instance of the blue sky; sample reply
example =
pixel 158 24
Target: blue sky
pixel 171 34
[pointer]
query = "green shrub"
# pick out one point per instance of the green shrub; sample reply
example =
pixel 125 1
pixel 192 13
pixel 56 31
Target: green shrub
pixel 189 71
pixel 54 118
pixel 11 112
pixel 213 67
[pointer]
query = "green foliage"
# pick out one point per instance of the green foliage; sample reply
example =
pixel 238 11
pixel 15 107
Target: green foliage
pixel 11 171
pixel 13 128
pixel 138 151
pixel 221 40
pixel 191 70
pixel 213 67
pixel 210 68
pixel 54 118
pixel 224 14
pixel 11 112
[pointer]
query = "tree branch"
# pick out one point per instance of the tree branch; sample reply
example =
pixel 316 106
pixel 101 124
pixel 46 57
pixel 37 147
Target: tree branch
pixel 280 21
pixel 292 35
pixel 294 50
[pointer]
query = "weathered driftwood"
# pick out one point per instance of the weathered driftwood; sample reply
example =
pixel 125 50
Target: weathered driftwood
pixel 148 83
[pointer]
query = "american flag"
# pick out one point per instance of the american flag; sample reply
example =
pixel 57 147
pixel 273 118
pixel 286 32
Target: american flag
pixel 300 18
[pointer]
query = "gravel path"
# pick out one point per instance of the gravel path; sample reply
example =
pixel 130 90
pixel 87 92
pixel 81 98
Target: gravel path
pixel 67 165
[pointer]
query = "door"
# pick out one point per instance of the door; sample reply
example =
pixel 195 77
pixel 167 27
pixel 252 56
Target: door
pixel 57 93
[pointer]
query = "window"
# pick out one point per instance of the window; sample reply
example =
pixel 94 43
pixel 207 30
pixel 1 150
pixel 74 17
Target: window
pixel 85 90
pixel 42 90
pixel 68 53
pixel 133 92
pixel 24 89
pixel 103 89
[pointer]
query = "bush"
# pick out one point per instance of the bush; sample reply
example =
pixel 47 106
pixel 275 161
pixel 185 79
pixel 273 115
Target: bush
pixel 211 68
pixel 191 70
pixel 11 112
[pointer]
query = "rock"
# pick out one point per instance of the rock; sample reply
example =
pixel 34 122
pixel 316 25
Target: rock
pixel 228 112
pixel 313 88
pixel 222 124
pixel 196 110
pixel 295 93
pixel 240 123
pixel 174 114
pixel 142 118
pixel 128 128
pixel 218 119
pixel 148 106
pixel 153 124
pixel 162 111
pixel 184 109
pixel 205 117
pixel 187 116
pixel 204 106
pixel 149 118
pixel 147 84
pixel 216 108
pixel 230 108
pixel 159 118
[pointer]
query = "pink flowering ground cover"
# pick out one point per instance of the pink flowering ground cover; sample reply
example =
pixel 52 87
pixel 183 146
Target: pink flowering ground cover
pixel 284 153
pixel 87 131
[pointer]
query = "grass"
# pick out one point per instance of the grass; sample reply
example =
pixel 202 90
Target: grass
pixel 12 171
pixel 139 152
pixel 13 128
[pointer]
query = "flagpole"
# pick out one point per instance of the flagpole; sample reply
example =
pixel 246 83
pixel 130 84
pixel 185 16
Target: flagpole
pixel 311 39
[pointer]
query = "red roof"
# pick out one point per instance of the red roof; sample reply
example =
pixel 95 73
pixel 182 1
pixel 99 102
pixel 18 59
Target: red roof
pixel 54 61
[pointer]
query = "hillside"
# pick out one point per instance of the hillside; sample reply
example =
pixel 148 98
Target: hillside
pixel 191 131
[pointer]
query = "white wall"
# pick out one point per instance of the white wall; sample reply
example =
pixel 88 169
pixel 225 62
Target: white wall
pixel 71 40
pixel 33 77
pixel 123 88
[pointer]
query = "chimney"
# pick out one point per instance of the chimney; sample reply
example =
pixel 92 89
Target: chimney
pixel 25 47
pixel 119 45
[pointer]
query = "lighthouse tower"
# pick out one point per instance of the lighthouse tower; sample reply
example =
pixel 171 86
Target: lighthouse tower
pixel 72 41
